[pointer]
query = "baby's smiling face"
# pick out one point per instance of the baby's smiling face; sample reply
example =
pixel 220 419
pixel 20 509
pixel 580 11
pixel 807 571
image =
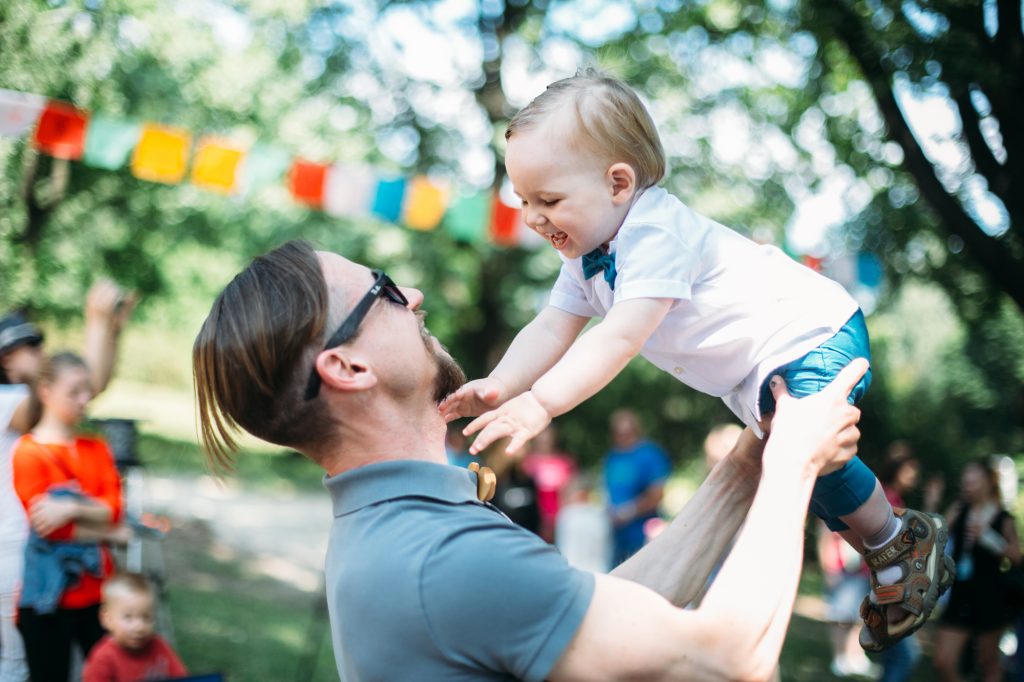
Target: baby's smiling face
pixel 568 196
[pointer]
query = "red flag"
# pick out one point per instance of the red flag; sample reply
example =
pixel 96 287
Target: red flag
pixel 61 131
pixel 306 181
pixel 505 221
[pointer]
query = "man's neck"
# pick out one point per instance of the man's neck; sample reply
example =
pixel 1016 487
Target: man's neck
pixel 384 436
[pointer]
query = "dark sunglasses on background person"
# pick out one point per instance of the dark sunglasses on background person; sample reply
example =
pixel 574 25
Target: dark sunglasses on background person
pixel 383 286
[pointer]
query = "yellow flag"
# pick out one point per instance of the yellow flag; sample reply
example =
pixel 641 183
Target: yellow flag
pixel 425 204
pixel 215 166
pixel 161 155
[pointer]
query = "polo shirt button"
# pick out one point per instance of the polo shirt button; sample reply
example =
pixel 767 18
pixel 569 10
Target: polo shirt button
pixel 678 370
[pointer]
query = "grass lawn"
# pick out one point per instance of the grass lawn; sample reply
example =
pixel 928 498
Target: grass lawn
pixel 228 617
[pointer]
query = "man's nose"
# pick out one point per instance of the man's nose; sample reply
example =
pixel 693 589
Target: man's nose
pixel 414 296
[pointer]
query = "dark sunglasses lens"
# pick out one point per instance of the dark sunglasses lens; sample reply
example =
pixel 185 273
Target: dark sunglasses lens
pixel 392 291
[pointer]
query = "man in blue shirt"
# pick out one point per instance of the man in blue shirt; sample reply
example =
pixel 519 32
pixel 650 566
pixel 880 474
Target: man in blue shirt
pixel 425 580
pixel 635 470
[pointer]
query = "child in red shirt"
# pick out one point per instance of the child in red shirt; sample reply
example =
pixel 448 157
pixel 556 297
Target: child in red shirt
pixel 132 652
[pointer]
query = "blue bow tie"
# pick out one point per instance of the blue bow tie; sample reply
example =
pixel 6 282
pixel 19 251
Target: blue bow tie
pixel 596 261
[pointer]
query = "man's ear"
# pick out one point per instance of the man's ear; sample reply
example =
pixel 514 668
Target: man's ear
pixel 343 371
pixel 621 180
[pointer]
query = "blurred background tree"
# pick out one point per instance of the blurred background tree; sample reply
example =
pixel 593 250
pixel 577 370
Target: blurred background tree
pixel 833 129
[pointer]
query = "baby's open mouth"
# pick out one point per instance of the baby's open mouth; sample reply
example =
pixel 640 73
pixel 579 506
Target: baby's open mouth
pixel 558 239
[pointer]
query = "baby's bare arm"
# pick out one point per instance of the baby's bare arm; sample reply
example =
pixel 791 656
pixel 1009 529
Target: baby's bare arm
pixel 537 347
pixel 598 356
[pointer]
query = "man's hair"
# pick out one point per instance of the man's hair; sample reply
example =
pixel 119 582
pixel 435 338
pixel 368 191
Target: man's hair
pixel 120 584
pixel 252 357
pixel 611 122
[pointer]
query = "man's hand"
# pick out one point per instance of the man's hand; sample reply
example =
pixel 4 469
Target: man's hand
pixel 520 419
pixel 474 398
pixel 48 513
pixel 821 428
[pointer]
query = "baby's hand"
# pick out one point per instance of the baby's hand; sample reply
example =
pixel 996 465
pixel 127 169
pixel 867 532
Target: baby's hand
pixel 473 399
pixel 520 419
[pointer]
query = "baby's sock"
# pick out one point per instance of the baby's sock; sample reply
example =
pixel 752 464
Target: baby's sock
pixel 892 527
pixel 876 524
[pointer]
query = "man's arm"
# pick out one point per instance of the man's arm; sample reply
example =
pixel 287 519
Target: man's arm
pixel 631 633
pixel 677 563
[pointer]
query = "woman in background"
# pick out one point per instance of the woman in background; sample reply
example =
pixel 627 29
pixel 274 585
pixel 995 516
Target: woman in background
pixel 984 536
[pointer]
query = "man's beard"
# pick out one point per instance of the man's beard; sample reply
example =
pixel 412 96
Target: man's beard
pixel 450 376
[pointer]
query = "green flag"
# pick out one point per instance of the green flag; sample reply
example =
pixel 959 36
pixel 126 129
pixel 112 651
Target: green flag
pixel 263 165
pixel 467 217
pixel 109 142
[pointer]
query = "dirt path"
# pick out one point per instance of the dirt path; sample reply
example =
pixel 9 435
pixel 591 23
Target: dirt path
pixel 282 533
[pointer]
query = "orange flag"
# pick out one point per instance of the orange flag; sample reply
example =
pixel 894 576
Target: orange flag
pixel 60 131
pixel 215 166
pixel 162 154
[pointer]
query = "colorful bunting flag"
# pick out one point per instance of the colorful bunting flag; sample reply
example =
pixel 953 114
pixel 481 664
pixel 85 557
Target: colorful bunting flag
pixel 425 203
pixel 161 155
pixel 869 270
pixel 215 166
pixel 263 165
pixel 349 190
pixel 466 219
pixel 60 131
pixel 387 202
pixel 504 223
pixel 306 181
pixel 109 143
pixel 19 112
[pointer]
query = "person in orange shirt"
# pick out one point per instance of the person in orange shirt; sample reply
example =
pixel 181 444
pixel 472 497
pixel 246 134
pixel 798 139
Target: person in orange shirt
pixel 71 491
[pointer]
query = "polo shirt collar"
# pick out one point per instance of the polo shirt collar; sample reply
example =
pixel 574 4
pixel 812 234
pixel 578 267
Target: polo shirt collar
pixel 383 481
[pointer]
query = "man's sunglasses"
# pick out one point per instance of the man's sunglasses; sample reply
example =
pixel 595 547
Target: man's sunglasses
pixel 382 286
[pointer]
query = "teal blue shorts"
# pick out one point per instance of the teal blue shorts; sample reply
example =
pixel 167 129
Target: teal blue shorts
pixel 841 492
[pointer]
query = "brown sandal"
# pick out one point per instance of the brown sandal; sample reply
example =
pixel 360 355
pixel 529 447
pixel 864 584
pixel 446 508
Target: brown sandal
pixel 919 550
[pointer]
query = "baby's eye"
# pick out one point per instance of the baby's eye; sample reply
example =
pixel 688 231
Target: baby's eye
pixel 550 202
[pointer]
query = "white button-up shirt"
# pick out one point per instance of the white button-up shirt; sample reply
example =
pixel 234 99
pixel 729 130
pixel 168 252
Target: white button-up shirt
pixel 742 310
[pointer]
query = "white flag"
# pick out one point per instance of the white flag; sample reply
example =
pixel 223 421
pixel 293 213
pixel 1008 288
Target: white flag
pixel 19 112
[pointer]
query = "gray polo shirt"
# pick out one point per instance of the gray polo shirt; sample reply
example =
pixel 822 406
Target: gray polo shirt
pixel 425 582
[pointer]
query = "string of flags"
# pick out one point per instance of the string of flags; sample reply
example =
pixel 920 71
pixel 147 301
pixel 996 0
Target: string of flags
pixel 172 155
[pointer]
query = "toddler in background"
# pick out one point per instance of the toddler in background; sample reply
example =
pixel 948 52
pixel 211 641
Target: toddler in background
pixel 717 311
pixel 132 651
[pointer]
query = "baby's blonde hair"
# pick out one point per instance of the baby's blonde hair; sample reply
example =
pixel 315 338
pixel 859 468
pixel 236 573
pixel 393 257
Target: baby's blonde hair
pixel 611 122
